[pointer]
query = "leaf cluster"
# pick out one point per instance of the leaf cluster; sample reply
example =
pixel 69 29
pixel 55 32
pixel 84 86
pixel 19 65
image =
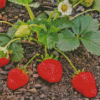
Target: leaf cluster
pixel 16 47
pixel 47 31
pixel 85 29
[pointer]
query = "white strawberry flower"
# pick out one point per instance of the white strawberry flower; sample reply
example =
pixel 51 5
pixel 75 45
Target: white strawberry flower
pixel 65 8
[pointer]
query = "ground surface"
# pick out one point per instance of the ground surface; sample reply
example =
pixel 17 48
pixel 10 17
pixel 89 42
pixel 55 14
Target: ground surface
pixel 38 89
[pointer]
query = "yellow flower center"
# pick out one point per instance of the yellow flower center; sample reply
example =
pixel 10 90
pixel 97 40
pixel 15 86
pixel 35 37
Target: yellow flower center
pixel 64 7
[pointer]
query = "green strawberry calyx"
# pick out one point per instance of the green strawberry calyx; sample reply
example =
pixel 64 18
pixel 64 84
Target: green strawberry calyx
pixel 23 69
pixel 77 72
pixel 4 52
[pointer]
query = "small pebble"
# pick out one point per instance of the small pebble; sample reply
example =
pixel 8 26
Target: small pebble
pixel 33 90
pixel 82 9
pixel 42 96
pixel 16 17
pixel 3 13
pixel 37 86
pixel 22 90
pixel 35 75
pixel 79 8
pixel 55 53
pixel 86 99
pixel 34 65
pixel 4 18
pixel 52 98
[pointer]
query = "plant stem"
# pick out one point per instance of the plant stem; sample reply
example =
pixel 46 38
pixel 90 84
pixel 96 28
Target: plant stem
pixel 30 12
pixel 84 12
pixel 77 4
pixel 8 23
pixel 50 16
pixel 11 42
pixel 31 60
pixel 35 41
pixel 35 25
pixel 67 59
pixel 56 16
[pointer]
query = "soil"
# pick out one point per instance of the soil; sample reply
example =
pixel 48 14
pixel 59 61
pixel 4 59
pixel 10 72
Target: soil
pixel 37 88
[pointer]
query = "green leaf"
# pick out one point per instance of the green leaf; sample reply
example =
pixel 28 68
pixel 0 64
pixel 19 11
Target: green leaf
pixel 67 41
pixel 91 41
pixel 12 30
pixel 43 23
pixel 4 39
pixel 85 24
pixel 62 23
pixel 56 58
pixel 43 27
pixel 35 5
pixel 49 12
pixel 17 51
pixel 21 2
pixel 2 54
pixel 47 38
pixel 86 29
pixel 42 15
pixel 51 56
pixel 96 4
pixel 53 29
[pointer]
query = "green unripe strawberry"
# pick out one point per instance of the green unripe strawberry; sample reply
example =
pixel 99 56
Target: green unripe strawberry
pixel 23 31
pixel 87 3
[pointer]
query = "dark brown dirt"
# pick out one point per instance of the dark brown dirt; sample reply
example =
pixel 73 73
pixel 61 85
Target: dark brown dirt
pixel 37 88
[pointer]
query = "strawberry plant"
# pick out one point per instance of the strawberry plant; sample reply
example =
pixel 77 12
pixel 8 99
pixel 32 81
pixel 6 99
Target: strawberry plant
pixel 57 32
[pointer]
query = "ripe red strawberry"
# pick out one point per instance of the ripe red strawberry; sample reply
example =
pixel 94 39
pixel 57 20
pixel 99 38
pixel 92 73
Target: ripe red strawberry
pixel 2 3
pixel 17 78
pixel 4 61
pixel 50 70
pixel 84 82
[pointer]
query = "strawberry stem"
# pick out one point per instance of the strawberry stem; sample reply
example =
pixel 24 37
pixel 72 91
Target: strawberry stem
pixel 50 16
pixel 67 59
pixel 77 3
pixel 84 12
pixel 30 12
pixel 35 25
pixel 8 23
pixel 30 60
pixel 56 16
pixel 11 42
